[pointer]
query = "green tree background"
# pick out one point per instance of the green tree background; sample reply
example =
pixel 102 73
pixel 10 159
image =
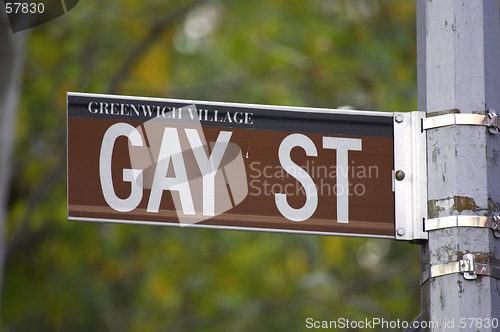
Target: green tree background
pixel 70 276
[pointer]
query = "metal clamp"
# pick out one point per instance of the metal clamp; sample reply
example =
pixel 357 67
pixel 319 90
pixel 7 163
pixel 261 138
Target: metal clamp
pixel 464 221
pixel 467 266
pixel 489 120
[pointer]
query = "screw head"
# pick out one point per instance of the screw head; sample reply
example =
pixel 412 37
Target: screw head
pixel 401 231
pixel 399 118
pixel 400 175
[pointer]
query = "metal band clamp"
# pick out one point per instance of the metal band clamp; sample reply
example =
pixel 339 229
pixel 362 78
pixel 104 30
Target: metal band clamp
pixel 467 266
pixel 489 120
pixel 464 221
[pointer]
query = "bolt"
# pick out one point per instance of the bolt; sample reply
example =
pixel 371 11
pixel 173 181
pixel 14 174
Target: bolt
pixel 399 118
pixel 400 175
pixel 401 231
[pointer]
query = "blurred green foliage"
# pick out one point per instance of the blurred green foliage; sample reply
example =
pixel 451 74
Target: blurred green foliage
pixel 67 276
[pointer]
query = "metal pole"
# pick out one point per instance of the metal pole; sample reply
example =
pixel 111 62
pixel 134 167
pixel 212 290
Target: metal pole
pixel 11 73
pixel 458 48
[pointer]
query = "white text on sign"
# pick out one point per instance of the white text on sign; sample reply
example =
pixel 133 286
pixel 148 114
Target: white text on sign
pixel 342 145
pixel 170 154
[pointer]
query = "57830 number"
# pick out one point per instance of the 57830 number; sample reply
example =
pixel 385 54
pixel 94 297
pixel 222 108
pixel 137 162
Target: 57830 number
pixel 22 7
pixel 478 323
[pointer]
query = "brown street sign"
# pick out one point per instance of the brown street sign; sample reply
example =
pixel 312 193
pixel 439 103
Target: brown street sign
pixel 230 166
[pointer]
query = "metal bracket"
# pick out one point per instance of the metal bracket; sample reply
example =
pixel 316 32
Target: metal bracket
pixel 410 175
pixel 464 221
pixel 467 266
pixel 489 120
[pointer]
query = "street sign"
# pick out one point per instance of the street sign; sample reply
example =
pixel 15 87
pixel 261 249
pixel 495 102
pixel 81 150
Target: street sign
pixel 231 166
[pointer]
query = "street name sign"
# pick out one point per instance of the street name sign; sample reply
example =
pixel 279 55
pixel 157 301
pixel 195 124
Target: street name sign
pixel 244 167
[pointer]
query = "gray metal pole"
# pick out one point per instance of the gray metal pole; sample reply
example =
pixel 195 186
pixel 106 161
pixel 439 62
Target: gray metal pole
pixel 11 73
pixel 459 72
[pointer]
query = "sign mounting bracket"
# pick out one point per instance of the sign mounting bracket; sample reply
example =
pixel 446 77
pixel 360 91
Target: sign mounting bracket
pixel 410 175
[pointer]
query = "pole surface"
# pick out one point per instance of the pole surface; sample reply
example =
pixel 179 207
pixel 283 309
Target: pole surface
pixel 458 49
